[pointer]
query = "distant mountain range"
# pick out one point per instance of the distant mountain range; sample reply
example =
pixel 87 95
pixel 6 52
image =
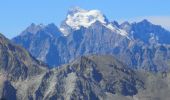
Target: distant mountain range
pixel 141 45
pixel 86 78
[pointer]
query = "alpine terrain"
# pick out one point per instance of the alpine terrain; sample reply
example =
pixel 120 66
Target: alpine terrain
pixel 86 78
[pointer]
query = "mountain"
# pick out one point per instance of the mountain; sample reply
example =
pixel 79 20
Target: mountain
pixel 141 45
pixel 39 40
pixel 88 77
pixel 17 61
pixel 148 33
pixel 16 65
pixel 78 17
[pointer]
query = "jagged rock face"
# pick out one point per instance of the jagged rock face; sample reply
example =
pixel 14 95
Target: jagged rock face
pixel 60 50
pixel 138 44
pixel 41 44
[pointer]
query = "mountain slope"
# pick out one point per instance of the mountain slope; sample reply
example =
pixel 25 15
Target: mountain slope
pixel 14 59
pixel 102 78
pixel 92 77
pixel 88 77
pixel 16 65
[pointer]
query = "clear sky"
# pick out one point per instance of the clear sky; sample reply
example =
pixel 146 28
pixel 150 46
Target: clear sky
pixel 16 15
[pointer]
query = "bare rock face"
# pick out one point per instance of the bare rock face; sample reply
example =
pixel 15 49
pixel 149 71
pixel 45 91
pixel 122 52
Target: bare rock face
pixel 90 78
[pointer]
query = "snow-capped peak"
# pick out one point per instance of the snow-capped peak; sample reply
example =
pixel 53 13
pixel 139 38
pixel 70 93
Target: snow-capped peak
pixel 78 17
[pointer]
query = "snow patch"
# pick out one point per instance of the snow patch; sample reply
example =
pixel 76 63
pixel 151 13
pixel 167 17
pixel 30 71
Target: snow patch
pixel 84 18
pixel 117 30
pixel 65 33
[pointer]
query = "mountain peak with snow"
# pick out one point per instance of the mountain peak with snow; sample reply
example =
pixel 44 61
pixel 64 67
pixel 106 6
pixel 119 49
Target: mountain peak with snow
pixel 78 17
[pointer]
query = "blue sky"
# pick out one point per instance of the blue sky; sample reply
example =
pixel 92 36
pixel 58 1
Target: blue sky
pixel 16 15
